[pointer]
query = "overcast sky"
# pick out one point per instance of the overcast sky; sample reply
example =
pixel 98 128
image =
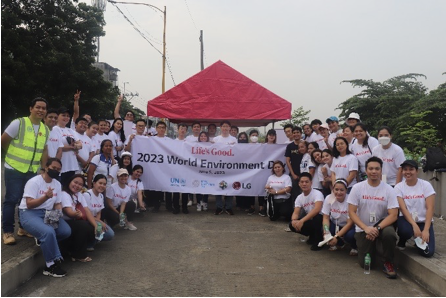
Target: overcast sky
pixel 300 50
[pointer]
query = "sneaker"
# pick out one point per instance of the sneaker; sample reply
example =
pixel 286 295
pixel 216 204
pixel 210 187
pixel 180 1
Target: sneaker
pixel 189 203
pixel 137 210
pixel 176 211
pixel 185 211
pixel 401 245
pixel 287 229
pixel 310 241
pixel 198 207
pixel 229 211
pixel 130 226
pixel 23 232
pixel 205 206
pixel 8 238
pixel 333 248
pixel 218 211
pixel 389 270
pixel 37 241
pixel 262 212
pixel 251 211
pixel 54 271
pixel 353 252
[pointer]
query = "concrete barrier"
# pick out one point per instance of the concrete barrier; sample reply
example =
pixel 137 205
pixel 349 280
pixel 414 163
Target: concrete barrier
pixel 440 189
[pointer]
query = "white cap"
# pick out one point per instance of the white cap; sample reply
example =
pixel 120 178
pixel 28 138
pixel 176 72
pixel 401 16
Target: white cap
pixel 325 125
pixel 126 153
pixel 354 116
pixel 122 172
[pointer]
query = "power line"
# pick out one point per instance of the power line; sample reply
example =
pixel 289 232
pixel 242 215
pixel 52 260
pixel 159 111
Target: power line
pixel 187 6
pixel 151 37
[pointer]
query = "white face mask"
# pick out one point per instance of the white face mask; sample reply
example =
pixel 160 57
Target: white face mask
pixel 384 141
pixel 254 139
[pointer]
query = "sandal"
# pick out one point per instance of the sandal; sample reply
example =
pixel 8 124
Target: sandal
pixel 85 260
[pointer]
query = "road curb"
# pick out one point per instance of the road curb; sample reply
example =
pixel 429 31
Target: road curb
pixel 21 268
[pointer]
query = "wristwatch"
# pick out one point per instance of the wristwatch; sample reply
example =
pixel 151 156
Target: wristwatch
pixel 379 228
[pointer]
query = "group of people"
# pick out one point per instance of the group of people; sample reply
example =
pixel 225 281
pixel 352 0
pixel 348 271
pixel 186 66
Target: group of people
pixel 342 184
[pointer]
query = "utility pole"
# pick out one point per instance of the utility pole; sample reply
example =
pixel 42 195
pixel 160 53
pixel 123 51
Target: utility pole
pixel 163 88
pixel 202 49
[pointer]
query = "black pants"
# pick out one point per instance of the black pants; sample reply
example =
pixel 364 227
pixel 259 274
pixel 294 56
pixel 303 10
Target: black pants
pixel 82 232
pixel 173 200
pixel 154 198
pixel 112 217
pixel 282 209
pixel 312 228
pixel 295 189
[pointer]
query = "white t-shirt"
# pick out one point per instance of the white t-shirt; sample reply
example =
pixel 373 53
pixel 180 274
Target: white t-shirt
pixel 98 138
pixel 392 159
pixel 372 202
pixel 308 202
pixel 36 187
pixel 306 163
pixel 136 136
pixel 321 176
pixel 279 183
pixel 71 202
pixel 13 131
pixel 191 138
pixel 229 140
pixel 69 160
pixel 333 136
pixel 343 165
pixel 53 144
pixel 320 141
pixel 116 141
pixel 318 178
pixel 87 147
pixel 95 203
pixel 102 167
pixel 415 197
pixel 118 195
pixel 311 138
pixel 363 153
pixel 135 186
pixel 337 211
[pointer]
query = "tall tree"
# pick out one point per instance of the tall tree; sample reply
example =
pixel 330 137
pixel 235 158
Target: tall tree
pixel 298 118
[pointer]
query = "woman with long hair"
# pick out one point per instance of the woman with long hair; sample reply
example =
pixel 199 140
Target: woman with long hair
pixel 362 148
pixel 345 164
pixel 102 163
pixel 137 187
pixel 117 136
pixel 271 137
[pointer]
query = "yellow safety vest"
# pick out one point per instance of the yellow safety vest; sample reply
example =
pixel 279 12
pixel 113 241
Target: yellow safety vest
pixel 25 151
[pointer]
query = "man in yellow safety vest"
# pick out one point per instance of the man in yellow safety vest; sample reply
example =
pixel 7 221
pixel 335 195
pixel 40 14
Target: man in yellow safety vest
pixel 24 142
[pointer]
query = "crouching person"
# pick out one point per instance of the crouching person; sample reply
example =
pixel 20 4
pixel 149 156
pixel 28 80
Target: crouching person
pixel 311 223
pixel 40 213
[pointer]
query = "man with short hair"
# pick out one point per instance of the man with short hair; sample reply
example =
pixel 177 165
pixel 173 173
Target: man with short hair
pixel 24 142
pixel 353 119
pixel 322 137
pixel 288 130
pixel 129 115
pixel 335 131
pixel 86 153
pixel 234 131
pixel 196 128
pixel 54 143
pixel 293 159
pixel 212 131
pixel 140 127
pixel 373 207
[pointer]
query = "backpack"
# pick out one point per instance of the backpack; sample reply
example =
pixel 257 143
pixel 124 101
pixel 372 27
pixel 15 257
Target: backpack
pixel 435 159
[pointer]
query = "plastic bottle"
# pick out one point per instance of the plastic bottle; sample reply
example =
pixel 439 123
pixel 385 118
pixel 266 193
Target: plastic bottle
pixel 98 229
pixel 122 220
pixel 367 263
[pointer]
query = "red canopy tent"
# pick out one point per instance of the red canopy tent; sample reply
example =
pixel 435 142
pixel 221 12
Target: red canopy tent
pixel 218 93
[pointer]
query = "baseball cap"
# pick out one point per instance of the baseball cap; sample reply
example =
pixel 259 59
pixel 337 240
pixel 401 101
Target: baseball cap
pixel 126 153
pixel 411 163
pixel 332 118
pixel 354 116
pixel 122 172
pixel 325 125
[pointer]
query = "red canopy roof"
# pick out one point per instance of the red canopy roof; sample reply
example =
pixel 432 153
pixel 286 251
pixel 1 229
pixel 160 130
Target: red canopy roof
pixel 218 93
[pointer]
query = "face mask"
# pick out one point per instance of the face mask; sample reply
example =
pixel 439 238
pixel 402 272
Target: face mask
pixel 384 141
pixel 254 139
pixel 243 141
pixel 53 173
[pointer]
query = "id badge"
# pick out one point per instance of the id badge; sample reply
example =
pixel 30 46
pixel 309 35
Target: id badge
pixel 415 216
pixel 337 229
pixel 372 217
pixel 384 178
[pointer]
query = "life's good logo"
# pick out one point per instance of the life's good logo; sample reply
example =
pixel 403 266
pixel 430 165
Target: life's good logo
pixel 211 151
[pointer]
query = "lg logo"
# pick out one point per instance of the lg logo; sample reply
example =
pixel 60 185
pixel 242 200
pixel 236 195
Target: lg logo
pixel 238 185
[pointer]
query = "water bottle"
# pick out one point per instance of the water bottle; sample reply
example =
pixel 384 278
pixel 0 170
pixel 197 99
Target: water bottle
pixel 98 229
pixel 122 220
pixel 367 263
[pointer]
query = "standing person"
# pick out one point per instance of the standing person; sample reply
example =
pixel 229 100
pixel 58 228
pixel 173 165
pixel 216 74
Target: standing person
pixel 196 128
pixel 91 132
pixel 353 119
pixel 117 137
pixel 234 131
pixel 335 218
pixel 391 154
pixel 182 131
pixel 83 225
pixel 373 207
pixel 88 150
pixel 306 166
pixel 335 131
pixel 101 163
pixel 24 142
pixel 271 137
pixel 212 131
pixel 345 164
pixel 316 163
pixel 362 148
pixel 101 133
pixel 309 134
pixel 322 137
pixel 288 130
pixel 118 204
pixel 41 195
pixel 310 224
pixel 140 127
pixel 251 200
pixel 416 198
pixel 241 202
pixel 150 130
pixel 54 144
pixel 325 172
pixel 137 187
pixel 243 138
pixel 95 201
pixel 76 113
pixel 278 185
pixel 129 115
pixel 348 134
pixel 293 159
pixel 71 143
pixel 202 199
pixel 224 138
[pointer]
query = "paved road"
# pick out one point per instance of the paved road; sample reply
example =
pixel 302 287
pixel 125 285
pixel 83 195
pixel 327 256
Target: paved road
pixel 201 254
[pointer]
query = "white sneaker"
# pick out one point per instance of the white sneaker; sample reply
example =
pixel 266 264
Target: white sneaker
pixel 189 203
pixel 130 226
pixel 137 210
pixel 205 206
pixel 198 207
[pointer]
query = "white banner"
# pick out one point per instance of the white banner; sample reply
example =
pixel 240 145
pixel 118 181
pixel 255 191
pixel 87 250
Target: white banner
pixel 205 168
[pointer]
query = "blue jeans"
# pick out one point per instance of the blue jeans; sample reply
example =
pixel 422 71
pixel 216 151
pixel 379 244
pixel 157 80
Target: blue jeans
pixel 15 184
pixel 228 202
pixel 32 221
pixel 405 232
pixel 108 235
pixel 349 237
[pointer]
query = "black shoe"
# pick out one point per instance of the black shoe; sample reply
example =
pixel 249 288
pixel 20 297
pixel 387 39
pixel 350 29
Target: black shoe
pixel 169 209
pixel 54 270
pixel 176 211
pixel 262 212
pixel 229 211
pixel 401 245
pixel 315 247
pixel 251 211
pixel 218 211
pixel 310 241
pixel 185 211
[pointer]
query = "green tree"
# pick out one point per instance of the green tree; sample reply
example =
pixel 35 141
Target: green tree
pixel 298 118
